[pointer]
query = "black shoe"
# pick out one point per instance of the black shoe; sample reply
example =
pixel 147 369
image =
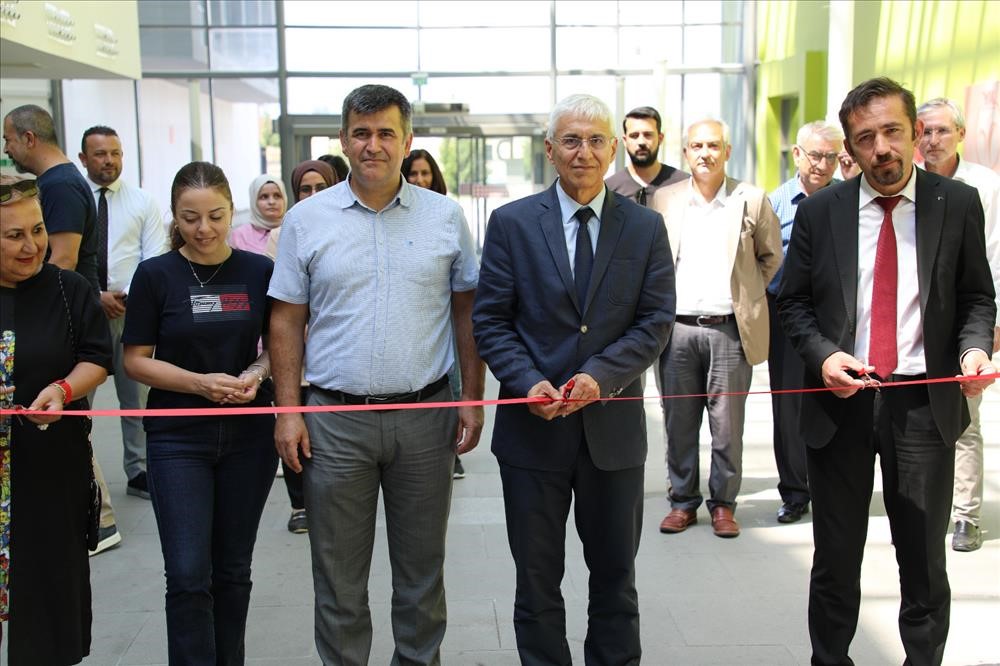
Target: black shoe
pixel 967 537
pixel 792 512
pixel 459 472
pixel 107 538
pixel 297 522
pixel 137 486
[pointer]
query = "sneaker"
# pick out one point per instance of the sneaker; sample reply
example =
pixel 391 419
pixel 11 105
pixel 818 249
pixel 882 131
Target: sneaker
pixel 107 538
pixel 459 472
pixel 297 522
pixel 137 486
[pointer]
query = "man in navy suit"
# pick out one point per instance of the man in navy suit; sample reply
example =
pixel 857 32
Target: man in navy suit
pixel 886 276
pixel 575 302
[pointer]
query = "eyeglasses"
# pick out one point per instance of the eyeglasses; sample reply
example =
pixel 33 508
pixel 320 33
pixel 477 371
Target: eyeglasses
pixel 941 132
pixel 26 188
pixel 816 158
pixel 574 142
pixel 311 189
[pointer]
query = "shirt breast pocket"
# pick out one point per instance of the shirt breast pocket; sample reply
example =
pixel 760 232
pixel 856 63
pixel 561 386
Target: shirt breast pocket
pixel 623 287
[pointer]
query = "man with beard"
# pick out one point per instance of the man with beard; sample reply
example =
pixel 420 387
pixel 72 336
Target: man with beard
pixel 644 174
pixel 886 279
pixel 129 230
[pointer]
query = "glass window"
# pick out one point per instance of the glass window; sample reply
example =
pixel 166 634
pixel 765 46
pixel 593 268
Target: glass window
pixel 173 49
pixel 331 50
pixel 492 94
pixel 586 48
pixel 643 48
pixel 665 12
pixel 603 87
pixel 155 12
pixel 698 11
pixel 702 45
pixel 484 49
pixel 326 95
pixel 390 13
pixel 244 49
pixel 434 13
pixel 664 95
pixel 244 12
pixel 585 13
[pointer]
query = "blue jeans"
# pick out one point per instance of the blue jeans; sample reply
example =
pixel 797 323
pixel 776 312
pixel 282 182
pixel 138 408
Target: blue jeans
pixel 208 484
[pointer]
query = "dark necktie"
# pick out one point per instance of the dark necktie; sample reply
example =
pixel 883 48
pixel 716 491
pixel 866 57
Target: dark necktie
pixel 882 345
pixel 584 261
pixel 102 239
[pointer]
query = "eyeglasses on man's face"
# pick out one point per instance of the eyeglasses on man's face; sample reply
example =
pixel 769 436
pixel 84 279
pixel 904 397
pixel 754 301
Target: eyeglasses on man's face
pixel 816 158
pixel 596 143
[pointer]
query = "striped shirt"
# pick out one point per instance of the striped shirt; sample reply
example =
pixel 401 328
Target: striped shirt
pixel 785 201
pixel 378 285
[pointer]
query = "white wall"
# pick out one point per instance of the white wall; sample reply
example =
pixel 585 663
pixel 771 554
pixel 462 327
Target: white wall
pixel 89 102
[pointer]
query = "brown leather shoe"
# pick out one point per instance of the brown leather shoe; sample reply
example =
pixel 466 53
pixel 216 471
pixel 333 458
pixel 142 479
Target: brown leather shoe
pixel 678 520
pixel 723 523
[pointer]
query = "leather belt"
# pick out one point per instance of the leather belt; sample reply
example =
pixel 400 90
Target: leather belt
pixel 703 320
pixel 391 399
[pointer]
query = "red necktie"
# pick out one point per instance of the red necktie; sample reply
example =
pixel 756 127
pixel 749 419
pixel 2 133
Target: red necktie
pixel 882 345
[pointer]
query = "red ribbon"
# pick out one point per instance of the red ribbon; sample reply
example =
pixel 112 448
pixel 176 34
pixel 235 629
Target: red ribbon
pixel 238 411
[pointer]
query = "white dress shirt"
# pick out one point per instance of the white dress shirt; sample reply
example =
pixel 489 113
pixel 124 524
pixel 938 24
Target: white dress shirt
pixel 988 183
pixel 567 208
pixel 909 329
pixel 135 230
pixel 704 269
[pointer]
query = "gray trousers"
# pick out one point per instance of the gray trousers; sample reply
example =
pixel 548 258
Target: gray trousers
pixel 967 502
pixel 409 454
pixel 705 359
pixel 131 395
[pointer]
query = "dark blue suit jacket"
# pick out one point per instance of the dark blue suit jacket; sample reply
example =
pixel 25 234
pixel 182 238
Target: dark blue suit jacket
pixel 529 327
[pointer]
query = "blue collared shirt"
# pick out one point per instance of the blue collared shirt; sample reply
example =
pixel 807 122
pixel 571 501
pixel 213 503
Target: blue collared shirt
pixel 568 207
pixel 785 201
pixel 378 285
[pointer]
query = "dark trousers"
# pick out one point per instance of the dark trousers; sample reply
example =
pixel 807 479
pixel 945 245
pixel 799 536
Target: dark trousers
pixel 608 513
pixel 785 370
pixel 917 472
pixel 208 485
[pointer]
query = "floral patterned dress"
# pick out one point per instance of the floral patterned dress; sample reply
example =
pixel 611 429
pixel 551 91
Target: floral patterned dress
pixel 6 402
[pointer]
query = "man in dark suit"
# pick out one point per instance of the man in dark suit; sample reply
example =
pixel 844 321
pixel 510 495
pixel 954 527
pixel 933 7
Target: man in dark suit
pixel 576 290
pixel 885 276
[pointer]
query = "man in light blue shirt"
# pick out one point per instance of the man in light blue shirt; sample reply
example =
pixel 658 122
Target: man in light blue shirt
pixel 815 153
pixel 381 270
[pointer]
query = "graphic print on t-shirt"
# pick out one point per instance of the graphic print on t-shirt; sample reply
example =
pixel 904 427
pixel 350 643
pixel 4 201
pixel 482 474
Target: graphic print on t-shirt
pixel 219 302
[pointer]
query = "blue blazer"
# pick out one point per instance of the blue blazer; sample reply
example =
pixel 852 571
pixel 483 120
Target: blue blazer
pixel 529 326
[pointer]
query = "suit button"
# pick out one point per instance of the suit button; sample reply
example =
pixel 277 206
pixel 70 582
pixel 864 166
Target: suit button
pixel 583 329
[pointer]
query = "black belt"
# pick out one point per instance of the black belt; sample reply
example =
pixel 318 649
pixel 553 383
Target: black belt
pixel 703 320
pixel 392 399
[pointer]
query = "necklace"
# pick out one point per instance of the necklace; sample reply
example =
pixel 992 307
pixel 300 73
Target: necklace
pixel 199 280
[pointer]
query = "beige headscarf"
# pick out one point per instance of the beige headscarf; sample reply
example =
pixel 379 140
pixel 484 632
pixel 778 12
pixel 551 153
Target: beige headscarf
pixel 256 219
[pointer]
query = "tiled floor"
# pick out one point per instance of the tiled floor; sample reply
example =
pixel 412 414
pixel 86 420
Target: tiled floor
pixel 703 600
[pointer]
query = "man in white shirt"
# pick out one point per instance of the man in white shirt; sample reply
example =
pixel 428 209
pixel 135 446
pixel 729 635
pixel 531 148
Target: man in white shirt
pixel 726 245
pixel 129 230
pixel 944 129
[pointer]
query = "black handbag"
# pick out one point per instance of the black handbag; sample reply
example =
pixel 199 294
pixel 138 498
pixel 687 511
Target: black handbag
pixel 94 499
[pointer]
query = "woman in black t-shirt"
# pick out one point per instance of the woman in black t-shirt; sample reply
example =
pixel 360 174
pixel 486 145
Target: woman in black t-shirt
pixel 193 319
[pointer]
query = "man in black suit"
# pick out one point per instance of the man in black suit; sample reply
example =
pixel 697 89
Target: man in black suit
pixel 576 291
pixel 885 276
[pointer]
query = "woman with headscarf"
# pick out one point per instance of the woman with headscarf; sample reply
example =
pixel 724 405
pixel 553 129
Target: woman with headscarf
pixel 308 178
pixel 267 208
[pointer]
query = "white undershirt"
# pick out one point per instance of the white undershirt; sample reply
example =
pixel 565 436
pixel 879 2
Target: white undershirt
pixel 909 328
pixel 703 270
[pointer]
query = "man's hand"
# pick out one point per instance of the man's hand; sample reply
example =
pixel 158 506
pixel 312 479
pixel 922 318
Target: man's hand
pixel 545 410
pixel 585 391
pixel 836 377
pixel 290 436
pixel 976 362
pixel 470 427
pixel 113 303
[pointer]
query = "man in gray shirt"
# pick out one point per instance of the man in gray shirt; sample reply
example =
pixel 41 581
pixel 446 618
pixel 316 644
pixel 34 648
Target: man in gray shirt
pixel 381 270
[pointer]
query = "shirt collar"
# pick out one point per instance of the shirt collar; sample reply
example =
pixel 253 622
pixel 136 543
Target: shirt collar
pixel 720 194
pixel 869 193
pixel 568 205
pixel 345 196
pixel 113 187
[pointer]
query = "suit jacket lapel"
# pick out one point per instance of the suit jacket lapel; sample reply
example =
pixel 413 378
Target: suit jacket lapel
pixel 612 220
pixel 551 223
pixel 844 236
pixel 929 226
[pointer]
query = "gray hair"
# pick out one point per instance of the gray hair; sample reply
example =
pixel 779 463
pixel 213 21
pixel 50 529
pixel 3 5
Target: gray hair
pixel 34 119
pixel 822 129
pixel 581 106
pixel 705 121
pixel 372 98
pixel 944 103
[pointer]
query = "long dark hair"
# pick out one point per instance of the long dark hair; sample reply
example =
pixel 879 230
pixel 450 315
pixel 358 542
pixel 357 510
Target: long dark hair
pixel 437 180
pixel 196 176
